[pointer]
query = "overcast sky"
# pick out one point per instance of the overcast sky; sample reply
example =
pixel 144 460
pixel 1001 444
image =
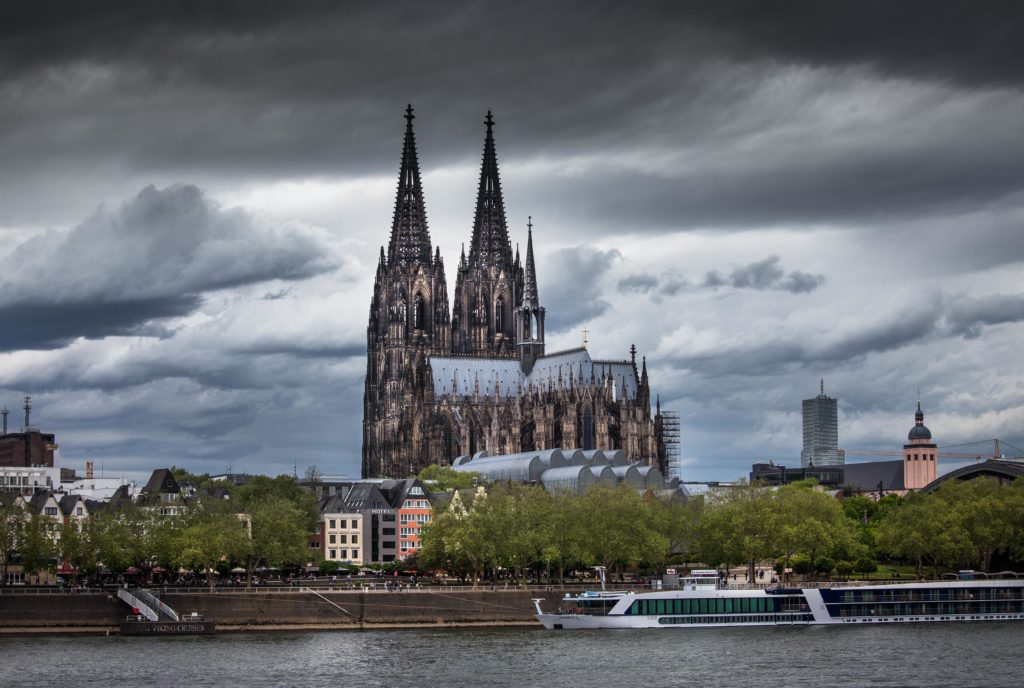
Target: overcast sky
pixel 757 194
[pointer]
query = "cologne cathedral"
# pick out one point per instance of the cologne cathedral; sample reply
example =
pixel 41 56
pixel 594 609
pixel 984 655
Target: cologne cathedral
pixel 442 383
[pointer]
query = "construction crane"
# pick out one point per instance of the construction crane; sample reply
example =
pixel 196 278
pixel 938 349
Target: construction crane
pixel 997 453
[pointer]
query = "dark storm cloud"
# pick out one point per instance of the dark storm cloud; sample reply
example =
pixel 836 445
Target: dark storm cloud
pixel 760 276
pixel 251 89
pixel 572 282
pixel 150 259
pixel 640 284
pixel 968 316
pixel 933 317
pixel 795 350
pixel 349 349
pixel 765 274
pixel 44 325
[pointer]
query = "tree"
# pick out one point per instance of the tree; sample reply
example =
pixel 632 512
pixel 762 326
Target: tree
pixel 985 510
pixel 844 568
pixel 210 537
pixel 444 478
pixel 262 488
pixel 614 528
pixel 77 545
pixel 865 565
pixel 122 536
pixel 924 528
pixel 38 545
pixel 739 525
pixel 813 522
pixel 12 529
pixel 276 534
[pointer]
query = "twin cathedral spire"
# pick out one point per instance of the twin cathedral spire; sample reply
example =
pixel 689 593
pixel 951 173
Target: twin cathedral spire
pixel 496 310
pixel 443 382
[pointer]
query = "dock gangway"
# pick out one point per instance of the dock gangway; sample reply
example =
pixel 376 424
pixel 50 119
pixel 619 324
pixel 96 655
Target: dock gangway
pixel 148 604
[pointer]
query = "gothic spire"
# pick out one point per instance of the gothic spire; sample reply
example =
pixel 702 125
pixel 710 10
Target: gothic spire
pixel 410 239
pixel 490 244
pixel 530 296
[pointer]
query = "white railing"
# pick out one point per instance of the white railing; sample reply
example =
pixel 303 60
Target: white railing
pixel 153 601
pixel 135 603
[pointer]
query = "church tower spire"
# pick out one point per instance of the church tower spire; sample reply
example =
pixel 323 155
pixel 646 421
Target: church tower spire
pixel 530 297
pixel 410 239
pixel 409 322
pixel 529 313
pixel 488 285
pixel 490 243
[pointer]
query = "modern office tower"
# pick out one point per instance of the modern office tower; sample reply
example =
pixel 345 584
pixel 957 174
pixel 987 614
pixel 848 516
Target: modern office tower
pixel 821 432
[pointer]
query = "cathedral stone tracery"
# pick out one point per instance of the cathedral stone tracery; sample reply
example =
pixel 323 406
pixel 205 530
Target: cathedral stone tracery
pixel 438 386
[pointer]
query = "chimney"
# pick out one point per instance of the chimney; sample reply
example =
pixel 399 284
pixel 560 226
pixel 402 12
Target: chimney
pixel 4 413
pixel 88 470
pixel 28 410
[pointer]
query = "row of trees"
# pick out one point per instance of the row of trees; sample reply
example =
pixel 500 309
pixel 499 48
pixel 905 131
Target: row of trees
pixel 263 523
pixel 517 528
pixel 961 524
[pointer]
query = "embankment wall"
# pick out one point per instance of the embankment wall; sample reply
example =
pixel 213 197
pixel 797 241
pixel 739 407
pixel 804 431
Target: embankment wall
pixel 256 608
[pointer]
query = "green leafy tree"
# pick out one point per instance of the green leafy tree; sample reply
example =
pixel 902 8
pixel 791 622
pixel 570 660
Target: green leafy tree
pixel 263 488
pixel 813 522
pixel 444 478
pixel 844 568
pixel 210 537
pixel 614 529
pixel 12 529
pixel 824 566
pixel 739 525
pixel 985 510
pixel 924 528
pixel 865 565
pixel 459 543
pixel 38 546
pixel 122 536
pixel 77 545
pixel 802 565
pixel 277 531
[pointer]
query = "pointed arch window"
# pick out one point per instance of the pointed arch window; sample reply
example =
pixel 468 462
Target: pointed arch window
pixel 499 315
pixel 527 319
pixel 588 429
pixel 419 312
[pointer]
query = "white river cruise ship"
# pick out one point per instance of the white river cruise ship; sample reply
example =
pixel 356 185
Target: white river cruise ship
pixel 703 600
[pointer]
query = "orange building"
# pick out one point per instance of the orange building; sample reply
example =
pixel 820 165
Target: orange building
pixel 414 511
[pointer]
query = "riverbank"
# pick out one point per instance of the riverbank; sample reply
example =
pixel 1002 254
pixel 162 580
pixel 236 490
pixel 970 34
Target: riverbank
pixel 299 609
pixel 274 628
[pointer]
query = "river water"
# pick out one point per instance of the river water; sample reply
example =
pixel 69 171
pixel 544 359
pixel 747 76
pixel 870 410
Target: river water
pixel 969 654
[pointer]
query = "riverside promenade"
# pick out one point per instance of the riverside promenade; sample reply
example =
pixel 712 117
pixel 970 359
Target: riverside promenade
pixel 31 610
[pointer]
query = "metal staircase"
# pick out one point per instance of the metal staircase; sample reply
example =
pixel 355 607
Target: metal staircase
pixel 148 604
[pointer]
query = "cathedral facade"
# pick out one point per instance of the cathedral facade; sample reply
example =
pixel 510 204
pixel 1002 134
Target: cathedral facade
pixel 443 382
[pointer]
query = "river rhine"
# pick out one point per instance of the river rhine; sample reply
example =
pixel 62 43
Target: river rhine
pixel 981 654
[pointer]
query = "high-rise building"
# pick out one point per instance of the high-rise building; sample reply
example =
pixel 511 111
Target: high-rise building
pixel 442 383
pixel 821 432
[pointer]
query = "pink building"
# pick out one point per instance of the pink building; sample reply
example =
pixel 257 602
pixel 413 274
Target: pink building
pixel 919 455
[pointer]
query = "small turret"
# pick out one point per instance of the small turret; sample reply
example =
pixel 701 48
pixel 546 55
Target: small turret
pixel 529 314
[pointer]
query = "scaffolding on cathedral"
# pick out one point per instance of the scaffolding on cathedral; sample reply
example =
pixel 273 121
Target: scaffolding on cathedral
pixel 670 435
